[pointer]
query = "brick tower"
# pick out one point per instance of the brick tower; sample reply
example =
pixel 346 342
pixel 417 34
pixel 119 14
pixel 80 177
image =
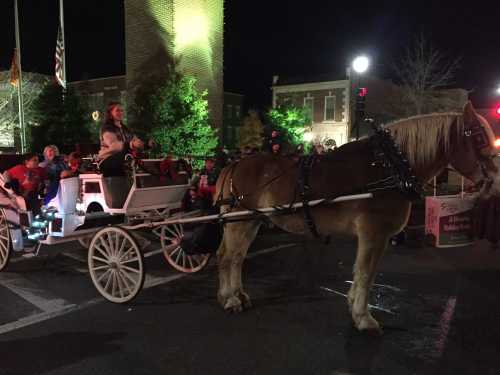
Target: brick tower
pixel 191 31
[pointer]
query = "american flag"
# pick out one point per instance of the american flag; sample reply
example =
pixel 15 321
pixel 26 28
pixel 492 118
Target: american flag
pixel 60 71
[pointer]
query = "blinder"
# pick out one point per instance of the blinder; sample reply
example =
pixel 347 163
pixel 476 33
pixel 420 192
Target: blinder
pixel 480 142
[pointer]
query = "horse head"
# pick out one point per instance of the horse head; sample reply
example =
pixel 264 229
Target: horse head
pixel 473 154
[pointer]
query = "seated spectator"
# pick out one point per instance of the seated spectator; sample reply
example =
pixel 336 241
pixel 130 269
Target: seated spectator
pixel 167 168
pixel 192 200
pixel 55 168
pixel 27 179
pixel 207 180
pixel 74 163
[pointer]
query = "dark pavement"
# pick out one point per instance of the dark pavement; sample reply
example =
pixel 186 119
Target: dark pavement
pixel 439 309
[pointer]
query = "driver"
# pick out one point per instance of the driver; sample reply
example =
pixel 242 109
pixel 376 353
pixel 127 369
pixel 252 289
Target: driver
pixel 116 141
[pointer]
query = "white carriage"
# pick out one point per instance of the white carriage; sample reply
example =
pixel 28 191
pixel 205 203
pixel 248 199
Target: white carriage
pixel 112 217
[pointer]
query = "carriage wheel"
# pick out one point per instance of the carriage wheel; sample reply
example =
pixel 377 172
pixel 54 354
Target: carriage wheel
pixel 4 240
pixel 171 236
pixel 116 264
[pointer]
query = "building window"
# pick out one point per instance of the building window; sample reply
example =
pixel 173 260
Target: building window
pixel 237 111
pixel 329 108
pixel 309 106
pixel 229 111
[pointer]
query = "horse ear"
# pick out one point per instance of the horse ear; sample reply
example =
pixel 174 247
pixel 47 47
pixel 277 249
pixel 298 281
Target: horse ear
pixel 469 112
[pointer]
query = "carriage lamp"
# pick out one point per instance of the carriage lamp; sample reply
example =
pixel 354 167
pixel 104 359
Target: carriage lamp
pixel 497 143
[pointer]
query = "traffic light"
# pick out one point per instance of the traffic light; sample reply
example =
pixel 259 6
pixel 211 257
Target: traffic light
pixel 360 98
pixel 497 111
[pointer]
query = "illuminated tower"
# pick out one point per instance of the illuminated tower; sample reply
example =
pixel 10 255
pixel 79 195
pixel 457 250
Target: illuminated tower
pixel 156 31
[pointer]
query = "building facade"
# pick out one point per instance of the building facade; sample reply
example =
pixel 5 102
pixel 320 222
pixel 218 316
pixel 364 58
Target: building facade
pixel 328 103
pixel 98 92
pixel 187 32
pixel 232 117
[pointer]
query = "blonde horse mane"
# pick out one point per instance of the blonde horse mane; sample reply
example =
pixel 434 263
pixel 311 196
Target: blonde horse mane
pixel 420 137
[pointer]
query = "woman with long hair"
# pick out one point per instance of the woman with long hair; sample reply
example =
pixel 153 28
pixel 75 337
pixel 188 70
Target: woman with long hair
pixel 116 141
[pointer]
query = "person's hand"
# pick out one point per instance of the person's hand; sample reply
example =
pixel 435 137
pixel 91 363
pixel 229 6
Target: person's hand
pixel 102 154
pixel 66 174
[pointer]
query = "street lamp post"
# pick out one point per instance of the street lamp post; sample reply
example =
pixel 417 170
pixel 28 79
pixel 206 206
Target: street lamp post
pixel 360 65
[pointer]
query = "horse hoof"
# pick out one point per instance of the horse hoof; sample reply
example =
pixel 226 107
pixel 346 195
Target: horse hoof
pixel 233 305
pixel 369 326
pixel 245 300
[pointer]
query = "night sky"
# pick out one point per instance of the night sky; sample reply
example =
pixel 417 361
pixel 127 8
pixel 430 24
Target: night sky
pixel 263 38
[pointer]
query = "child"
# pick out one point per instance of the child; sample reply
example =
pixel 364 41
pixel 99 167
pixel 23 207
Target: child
pixel 26 179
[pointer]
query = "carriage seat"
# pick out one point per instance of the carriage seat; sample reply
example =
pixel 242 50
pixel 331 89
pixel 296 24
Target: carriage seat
pixel 67 195
pixel 116 190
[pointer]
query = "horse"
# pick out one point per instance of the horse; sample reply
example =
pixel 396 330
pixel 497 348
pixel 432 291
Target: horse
pixel 430 143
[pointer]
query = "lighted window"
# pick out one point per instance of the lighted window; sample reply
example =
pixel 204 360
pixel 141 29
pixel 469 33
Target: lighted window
pixel 309 105
pixel 329 108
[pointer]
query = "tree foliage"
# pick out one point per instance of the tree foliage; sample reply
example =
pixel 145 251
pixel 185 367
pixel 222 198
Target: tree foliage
pixel 62 120
pixel 33 85
pixel 179 118
pixel 291 121
pixel 252 131
pixel 422 70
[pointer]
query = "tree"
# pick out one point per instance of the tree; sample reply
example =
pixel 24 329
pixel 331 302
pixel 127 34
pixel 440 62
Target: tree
pixel 63 120
pixel 179 118
pixel 33 85
pixel 422 70
pixel 251 132
pixel 291 121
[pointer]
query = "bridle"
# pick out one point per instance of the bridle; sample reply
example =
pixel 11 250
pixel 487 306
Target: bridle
pixel 480 141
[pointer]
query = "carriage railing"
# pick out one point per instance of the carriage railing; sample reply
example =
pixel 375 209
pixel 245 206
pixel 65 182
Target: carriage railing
pixel 187 218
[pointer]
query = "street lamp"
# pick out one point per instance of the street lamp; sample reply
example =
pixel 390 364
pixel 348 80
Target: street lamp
pixel 497 91
pixel 360 65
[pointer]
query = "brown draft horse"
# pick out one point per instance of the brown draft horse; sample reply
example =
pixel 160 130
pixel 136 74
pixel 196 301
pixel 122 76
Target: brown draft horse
pixel 430 142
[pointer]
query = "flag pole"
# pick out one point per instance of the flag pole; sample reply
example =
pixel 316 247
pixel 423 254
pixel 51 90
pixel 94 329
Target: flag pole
pixel 20 83
pixel 61 15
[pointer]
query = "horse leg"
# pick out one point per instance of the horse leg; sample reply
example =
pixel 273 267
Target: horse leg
pixel 231 254
pixel 370 250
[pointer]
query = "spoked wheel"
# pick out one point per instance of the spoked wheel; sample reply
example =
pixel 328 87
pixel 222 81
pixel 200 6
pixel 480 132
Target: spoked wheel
pixel 4 240
pixel 116 264
pixel 171 236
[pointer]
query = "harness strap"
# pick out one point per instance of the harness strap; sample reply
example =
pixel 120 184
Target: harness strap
pixel 306 163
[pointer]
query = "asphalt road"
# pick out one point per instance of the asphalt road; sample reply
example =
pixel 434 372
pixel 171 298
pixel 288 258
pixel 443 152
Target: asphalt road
pixel 439 309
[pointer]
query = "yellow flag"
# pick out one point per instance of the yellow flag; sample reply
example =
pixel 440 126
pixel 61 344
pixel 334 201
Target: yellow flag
pixel 14 70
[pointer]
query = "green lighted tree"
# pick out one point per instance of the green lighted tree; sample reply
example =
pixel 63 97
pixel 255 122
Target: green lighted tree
pixel 179 118
pixel 60 120
pixel 291 121
pixel 251 132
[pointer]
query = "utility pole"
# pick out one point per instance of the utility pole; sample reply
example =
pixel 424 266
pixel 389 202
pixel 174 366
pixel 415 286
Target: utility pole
pixel 20 84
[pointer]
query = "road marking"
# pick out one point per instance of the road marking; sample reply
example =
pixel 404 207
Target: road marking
pixel 30 292
pixel 37 318
pixel 57 307
pixel 375 307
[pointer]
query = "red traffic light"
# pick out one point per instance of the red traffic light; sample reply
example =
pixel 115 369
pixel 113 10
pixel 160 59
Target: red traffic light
pixel 362 91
